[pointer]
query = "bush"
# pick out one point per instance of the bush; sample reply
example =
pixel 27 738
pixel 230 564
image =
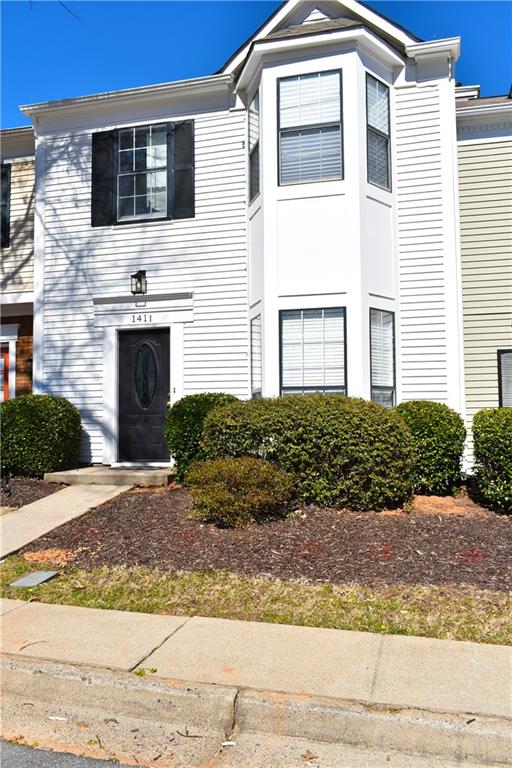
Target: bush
pixel 492 433
pixel 40 433
pixel 344 452
pixel 234 492
pixel 184 425
pixel 438 433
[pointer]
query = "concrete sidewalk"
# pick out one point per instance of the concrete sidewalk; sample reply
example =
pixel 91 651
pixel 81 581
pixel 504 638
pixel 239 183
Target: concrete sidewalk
pixel 21 526
pixel 434 697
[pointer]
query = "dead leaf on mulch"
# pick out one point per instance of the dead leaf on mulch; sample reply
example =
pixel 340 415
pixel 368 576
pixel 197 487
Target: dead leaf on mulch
pixel 309 756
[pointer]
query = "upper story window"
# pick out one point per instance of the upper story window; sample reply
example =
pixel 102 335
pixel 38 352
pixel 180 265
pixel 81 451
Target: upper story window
pixel 313 351
pixel 143 173
pixel 310 129
pixel 382 356
pixel 505 377
pixel 254 147
pixel 378 132
pixel 6 206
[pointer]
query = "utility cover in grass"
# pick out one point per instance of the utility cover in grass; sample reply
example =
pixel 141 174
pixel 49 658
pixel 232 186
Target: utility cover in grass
pixel 34 579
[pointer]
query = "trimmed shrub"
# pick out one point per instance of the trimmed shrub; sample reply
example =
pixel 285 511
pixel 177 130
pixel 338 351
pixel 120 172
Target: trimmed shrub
pixel 184 424
pixel 234 492
pixel 344 452
pixel 438 433
pixel 40 433
pixel 492 434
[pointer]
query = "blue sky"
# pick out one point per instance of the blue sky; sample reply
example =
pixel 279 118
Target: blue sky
pixel 49 54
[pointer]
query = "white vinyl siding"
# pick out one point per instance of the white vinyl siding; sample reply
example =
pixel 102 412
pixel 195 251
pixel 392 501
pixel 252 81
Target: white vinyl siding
pixel 505 377
pixel 205 256
pixel 313 351
pixel 485 201
pixel 377 133
pixel 256 356
pixel 310 131
pixel 18 259
pixel 382 351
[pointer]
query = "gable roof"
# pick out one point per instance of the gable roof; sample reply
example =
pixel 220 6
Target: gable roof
pixel 352 13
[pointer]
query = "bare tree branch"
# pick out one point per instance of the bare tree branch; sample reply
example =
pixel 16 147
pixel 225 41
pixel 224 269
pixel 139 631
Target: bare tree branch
pixel 73 13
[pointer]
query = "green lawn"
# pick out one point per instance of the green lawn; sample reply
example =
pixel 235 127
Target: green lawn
pixel 448 613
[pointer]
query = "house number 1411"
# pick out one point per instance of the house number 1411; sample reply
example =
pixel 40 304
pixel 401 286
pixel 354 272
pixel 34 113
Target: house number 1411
pixel 141 318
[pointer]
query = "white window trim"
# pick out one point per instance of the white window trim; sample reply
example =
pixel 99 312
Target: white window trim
pixel 9 335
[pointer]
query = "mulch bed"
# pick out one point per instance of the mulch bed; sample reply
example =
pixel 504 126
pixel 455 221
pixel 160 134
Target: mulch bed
pixel 25 490
pixel 440 542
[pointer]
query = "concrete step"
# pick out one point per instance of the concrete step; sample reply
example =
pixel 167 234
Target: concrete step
pixel 101 475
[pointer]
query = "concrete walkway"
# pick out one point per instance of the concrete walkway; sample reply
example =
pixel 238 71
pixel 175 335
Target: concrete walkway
pixel 21 526
pixel 430 697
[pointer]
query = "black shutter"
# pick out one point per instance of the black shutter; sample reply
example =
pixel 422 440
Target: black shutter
pixel 5 223
pixel 182 198
pixel 102 187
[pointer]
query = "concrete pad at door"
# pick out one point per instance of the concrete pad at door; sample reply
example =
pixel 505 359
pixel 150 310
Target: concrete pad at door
pixel 445 675
pixel 88 636
pixel 274 657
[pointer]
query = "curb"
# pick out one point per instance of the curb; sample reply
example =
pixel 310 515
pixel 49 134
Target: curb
pixel 137 717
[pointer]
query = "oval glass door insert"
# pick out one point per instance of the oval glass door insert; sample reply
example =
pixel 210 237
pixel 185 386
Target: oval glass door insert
pixel 145 375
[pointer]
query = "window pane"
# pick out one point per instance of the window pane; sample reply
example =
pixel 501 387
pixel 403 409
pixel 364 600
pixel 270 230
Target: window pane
pixel 378 104
pixel 126 207
pixel 313 350
pixel 126 186
pixel 142 207
pixel 382 346
pixel 309 99
pixel 256 355
pixel 126 160
pixel 141 137
pixel 310 155
pixel 126 139
pixel 140 159
pixel 141 184
pixel 506 379
pixel 378 159
pixel 159 203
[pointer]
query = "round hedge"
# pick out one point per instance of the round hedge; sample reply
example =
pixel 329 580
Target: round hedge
pixel 438 433
pixel 344 452
pixel 492 435
pixel 184 424
pixel 233 492
pixel 40 433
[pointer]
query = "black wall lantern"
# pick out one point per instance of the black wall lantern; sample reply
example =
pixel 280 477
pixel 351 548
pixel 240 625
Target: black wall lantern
pixel 139 283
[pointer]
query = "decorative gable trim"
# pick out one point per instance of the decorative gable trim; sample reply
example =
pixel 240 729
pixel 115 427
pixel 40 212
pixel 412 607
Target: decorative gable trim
pixel 316 15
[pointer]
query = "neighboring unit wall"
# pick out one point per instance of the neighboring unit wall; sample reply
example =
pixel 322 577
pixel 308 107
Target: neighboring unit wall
pixel 485 192
pixel 18 259
pixel 23 354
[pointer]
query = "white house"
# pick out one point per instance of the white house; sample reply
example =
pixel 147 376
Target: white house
pixel 290 224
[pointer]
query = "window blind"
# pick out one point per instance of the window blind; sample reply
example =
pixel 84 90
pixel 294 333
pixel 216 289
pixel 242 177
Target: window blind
pixel 505 377
pixel 377 134
pixel 310 127
pixel 382 352
pixel 313 351
pixel 256 356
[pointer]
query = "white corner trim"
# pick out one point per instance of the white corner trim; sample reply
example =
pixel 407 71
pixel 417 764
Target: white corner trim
pixel 38 294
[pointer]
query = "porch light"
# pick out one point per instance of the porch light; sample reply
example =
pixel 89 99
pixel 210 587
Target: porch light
pixel 139 282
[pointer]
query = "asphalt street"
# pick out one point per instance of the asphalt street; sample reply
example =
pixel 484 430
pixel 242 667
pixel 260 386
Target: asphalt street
pixel 18 756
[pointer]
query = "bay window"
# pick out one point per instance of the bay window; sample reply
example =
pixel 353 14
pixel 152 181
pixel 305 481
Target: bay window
pixel 310 128
pixel 382 357
pixel 254 147
pixel 313 351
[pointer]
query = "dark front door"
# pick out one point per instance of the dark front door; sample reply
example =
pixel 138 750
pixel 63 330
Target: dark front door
pixel 143 395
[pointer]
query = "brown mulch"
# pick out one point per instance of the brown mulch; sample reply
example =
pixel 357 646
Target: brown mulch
pixel 25 490
pixel 441 541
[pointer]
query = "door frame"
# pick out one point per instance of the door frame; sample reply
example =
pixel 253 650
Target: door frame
pixel 9 337
pixel 113 314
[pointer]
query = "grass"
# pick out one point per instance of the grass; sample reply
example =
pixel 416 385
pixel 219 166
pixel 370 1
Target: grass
pixel 447 613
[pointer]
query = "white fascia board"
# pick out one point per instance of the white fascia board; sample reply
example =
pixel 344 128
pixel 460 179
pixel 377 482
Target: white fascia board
pixel 449 47
pixel 488 110
pixel 361 37
pixel 352 6
pixel 199 86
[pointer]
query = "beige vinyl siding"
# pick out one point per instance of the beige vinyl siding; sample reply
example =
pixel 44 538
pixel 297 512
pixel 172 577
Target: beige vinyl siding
pixel 18 258
pixel 485 190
